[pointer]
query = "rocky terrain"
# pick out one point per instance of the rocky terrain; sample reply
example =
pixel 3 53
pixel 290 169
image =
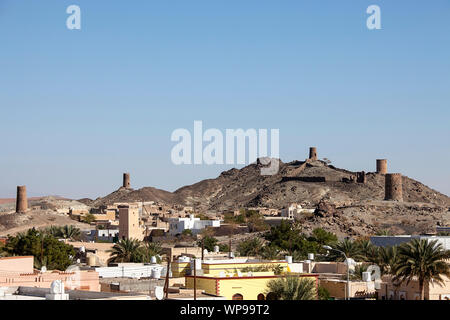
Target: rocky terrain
pixel 346 208
pixel 44 212
pixel 342 205
pixel 129 195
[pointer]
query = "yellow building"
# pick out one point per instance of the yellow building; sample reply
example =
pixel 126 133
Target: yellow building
pixel 232 267
pixel 238 279
pixel 180 269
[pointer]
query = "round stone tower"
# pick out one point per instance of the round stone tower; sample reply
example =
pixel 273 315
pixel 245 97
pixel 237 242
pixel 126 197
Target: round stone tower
pixel 382 166
pixel 21 200
pixel 126 180
pixel 393 187
pixel 313 153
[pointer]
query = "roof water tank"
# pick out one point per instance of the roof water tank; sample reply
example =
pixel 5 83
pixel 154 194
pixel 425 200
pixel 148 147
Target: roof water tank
pixel 156 273
pixel 366 276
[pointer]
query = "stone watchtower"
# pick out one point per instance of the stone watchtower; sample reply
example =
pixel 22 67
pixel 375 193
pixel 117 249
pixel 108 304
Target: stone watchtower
pixel 313 153
pixel 361 177
pixel 126 180
pixel 382 166
pixel 21 200
pixel 393 187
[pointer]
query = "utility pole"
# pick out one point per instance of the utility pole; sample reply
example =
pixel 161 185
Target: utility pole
pixel 203 249
pixel 166 283
pixel 195 279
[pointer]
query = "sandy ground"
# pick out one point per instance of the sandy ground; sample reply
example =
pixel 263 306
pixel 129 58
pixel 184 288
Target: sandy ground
pixel 14 223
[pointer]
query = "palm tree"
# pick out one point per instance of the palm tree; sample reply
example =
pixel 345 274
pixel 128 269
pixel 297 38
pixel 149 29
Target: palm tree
pixel 70 232
pixel 387 259
pixel 152 249
pixel 422 260
pixel 126 250
pixel 357 275
pixel 270 253
pixel 350 248
pixel 53 231
pixel 384 232
pixel 250 247
pixel 368 251
pixel 292 288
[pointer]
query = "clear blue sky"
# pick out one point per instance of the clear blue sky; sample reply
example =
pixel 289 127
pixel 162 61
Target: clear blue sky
pixel 79 108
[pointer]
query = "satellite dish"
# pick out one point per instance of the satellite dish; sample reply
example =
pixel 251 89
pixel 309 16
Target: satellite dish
pixel 44 269
pixel 159 293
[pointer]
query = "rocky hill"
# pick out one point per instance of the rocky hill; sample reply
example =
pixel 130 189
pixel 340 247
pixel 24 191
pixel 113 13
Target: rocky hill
pixel 247 187
pixel 130 195
pixel 44 212
pixel 346 207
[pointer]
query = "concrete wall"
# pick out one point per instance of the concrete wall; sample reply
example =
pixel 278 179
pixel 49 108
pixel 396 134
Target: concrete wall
pixel 101 250
pixel 411 291
pixel 327 267
pixel 108 215
pixel 130 285
pixel 83 280
pixel 75 294
pixel 232 268
pixel 248 287
pixel 16 264
pixel 172 251
pixel 131 271
pixel 337 288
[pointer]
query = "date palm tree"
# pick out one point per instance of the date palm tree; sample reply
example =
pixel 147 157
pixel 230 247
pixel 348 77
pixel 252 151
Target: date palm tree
pixel 387 259
pixel 368 251
pixel 70 232
pixel 422 260
pixel 152 249
pixel 270 253
pixel 350 248
pixel 292 288
pixel 127 250
pixel 64 232
pixel 54 231
pixel 250 247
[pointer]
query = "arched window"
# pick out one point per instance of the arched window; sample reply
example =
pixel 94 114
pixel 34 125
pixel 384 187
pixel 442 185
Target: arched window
pixel 238 296
pixel 261 297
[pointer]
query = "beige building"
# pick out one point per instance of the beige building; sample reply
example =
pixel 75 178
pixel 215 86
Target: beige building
pixel 129 224
pixel 108 215
pixel 404 291
pixel 337 288
pixel 18 271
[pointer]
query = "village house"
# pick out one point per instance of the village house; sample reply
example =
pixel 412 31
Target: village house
pixel 19 271
pixel 196 225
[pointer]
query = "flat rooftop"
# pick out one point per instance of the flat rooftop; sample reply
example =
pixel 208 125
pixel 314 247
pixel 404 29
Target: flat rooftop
pixel 241 260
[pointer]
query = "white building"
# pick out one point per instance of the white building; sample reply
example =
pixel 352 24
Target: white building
pixel 294 210
pixel 132 270
pixel 102 235
pixel 178 225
